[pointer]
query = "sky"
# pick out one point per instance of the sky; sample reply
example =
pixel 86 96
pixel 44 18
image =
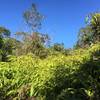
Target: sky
pixel 62 18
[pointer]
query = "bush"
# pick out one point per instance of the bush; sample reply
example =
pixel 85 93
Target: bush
pixel 58 77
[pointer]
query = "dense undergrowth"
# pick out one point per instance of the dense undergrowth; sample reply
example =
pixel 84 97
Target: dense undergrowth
pixel 57 77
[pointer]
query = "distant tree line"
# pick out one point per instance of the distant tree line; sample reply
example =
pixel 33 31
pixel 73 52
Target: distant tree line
pixel 39 43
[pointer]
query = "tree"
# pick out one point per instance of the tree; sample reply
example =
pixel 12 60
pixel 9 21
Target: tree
pixel 85 37
pixel 35 41
pixel 58 47
pixel 4 45
pixel 95 26
pixel 33 18
pixel 3 33
pixel 91 33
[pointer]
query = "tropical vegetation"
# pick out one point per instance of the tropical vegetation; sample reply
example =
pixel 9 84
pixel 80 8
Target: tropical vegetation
pixel 33 69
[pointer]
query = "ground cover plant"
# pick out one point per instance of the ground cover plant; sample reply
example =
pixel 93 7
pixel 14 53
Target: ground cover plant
pixel 72 77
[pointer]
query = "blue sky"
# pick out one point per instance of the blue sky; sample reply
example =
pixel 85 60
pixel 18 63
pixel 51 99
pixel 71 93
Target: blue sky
pixel 63 18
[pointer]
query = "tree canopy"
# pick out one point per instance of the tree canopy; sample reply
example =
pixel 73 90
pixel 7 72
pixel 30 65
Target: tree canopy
pixel 91 33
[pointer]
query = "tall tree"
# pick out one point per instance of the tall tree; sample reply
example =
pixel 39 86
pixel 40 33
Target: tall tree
pixel 33 18
pixel 35 41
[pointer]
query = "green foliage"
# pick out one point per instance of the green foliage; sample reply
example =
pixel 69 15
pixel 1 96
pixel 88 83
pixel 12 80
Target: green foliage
pixel 91 33
pixel 57 48
pixel 5 47
pixel 4 32
pixel 57 77
pixel 63 74
pixel 33 43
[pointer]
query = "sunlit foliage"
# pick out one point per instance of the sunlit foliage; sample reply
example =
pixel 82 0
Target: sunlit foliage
pixel 91 33
pixel 55 78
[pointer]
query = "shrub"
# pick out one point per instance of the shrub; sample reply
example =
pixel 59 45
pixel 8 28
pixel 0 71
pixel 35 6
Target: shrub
pixel 58 77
